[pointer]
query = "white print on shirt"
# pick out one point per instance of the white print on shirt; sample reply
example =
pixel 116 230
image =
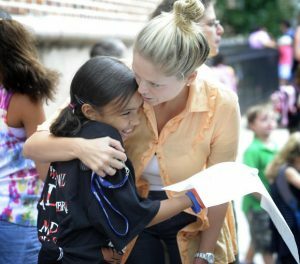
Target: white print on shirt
pixel 61 206
pixel 52 172
pixel 46 202
pixel 60 180
pixel 49 229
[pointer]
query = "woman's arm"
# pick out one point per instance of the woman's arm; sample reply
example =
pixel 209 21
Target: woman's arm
pixel 102 155
pixel 224 146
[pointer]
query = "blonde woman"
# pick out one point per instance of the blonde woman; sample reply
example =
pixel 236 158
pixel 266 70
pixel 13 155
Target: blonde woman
pixel 186 125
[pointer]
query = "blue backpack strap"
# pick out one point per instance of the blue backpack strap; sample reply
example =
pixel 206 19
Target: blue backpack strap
pixel 286 193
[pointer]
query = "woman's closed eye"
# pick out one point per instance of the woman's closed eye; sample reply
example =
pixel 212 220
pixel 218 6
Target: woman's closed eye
pixel 155 85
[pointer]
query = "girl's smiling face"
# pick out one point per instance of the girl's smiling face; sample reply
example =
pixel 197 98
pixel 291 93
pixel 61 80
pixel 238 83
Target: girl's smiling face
pixel 125 119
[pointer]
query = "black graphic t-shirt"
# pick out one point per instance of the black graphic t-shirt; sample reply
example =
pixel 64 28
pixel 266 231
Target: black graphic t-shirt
pixel 71 217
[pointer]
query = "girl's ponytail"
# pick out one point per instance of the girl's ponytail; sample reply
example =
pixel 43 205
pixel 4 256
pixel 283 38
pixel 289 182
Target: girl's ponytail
pixel 69 122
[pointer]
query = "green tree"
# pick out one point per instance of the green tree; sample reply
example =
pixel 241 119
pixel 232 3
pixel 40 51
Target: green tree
pixel 239 17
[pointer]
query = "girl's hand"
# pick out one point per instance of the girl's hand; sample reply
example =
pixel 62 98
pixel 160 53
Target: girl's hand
pixel 110 255
pixel 102 155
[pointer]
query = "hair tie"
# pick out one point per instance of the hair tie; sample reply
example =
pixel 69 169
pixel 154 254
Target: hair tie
pixel 72 107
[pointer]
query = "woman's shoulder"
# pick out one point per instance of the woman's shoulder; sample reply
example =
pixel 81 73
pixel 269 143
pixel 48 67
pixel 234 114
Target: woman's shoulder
pixel 224 96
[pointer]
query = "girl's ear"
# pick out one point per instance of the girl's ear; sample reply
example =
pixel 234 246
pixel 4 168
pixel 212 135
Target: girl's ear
pixel 88 111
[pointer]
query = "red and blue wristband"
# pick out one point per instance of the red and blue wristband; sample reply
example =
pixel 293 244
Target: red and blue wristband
pixel 196 200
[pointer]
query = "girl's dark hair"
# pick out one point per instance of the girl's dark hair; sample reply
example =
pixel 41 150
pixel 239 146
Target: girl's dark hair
pixel 98 82
pixel 20 69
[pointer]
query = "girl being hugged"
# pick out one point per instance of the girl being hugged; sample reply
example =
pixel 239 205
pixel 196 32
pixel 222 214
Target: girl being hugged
pixel 84 218
pixel 284 176
pixel 24 85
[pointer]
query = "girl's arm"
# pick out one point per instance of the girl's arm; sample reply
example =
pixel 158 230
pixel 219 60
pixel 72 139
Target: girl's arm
pixel 102 155
pixel 293 177
pixel 171 207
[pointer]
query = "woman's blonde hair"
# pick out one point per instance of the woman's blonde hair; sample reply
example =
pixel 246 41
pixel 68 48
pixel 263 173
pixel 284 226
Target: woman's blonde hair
pixel 286 155
pixel 173 41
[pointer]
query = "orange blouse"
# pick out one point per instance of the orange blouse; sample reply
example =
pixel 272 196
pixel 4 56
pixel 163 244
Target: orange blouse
pixel 206 132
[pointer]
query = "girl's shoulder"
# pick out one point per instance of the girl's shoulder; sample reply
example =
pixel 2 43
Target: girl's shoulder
pixel 95 129
pixel 20 108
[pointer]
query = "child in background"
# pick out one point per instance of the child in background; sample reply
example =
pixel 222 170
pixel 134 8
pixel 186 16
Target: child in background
pixel 284 175
pixel 24 85
pixel 261 120
pixel 84 218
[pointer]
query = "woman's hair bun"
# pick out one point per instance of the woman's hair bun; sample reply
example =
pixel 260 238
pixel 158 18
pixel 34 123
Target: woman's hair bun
pixel 187 11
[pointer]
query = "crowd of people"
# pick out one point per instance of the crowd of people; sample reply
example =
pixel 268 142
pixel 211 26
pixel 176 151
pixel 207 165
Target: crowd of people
pixel 285 99
pixel 85 185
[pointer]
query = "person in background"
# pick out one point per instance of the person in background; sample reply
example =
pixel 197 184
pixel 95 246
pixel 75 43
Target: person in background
pixel 210 26
pixel 93 219
pixel 259 38
pixel 296 48
pixel 24 85
pixel 294 104
pixel 224 73
pixel 285 49
pixel 283 174
pixel 286 101
pixel 287 29
pixel 109 47
pixel 261 120
pixel 188 123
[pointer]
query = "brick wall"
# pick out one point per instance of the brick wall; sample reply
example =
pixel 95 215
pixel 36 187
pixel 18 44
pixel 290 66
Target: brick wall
pixel 81 19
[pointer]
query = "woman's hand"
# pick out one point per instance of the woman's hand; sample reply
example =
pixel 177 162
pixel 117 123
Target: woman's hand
pixel 102 155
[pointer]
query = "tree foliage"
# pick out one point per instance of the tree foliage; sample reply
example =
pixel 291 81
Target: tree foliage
pixel 240 17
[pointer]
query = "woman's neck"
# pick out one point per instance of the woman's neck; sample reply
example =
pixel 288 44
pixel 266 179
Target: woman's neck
pixel 164 112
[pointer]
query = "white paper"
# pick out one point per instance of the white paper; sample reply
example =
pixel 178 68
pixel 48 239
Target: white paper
pixel 228 181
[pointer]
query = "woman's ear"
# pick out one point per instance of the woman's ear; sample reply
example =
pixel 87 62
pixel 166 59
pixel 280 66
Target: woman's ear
pixel 191 78
pixel 88 111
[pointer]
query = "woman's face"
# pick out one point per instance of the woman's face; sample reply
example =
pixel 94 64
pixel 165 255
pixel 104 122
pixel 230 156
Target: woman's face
pixel 212 30
pixel 154 87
